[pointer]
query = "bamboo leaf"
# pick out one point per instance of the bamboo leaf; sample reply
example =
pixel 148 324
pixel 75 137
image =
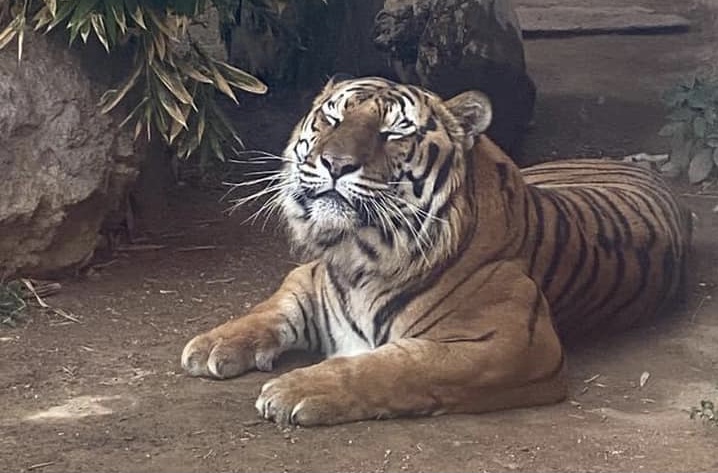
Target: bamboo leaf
pixel 162 24
pixel 85 31
pixel 98 25
pixel 160 45
pixel 219 114
pixel 191 146
pixel 139 18
pixel 216 147
pixel 20 39
pixel 149 48
pixel 138 128
pixel 170 106
pixel 119 14
pixel 8 34
pixel 190 71
pixel 63 11
pixel 148 120
pixel 51 6
pixel 173 83
pixel 82 10
pixel 175 130
pixel 135 111
pixel 200 123
pixel 111 27
pixel 241 79
pixel 42 17
pixel 222 83
pixel 176 127
pixel 111 98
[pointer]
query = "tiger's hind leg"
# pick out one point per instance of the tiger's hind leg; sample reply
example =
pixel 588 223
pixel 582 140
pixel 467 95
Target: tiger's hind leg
pixel 497 350
pixel 255 340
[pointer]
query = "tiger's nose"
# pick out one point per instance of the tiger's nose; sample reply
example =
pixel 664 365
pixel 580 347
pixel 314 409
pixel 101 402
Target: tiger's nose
pixel 339 166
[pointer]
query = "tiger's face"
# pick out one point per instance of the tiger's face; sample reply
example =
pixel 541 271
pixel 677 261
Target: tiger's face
pixel 379 160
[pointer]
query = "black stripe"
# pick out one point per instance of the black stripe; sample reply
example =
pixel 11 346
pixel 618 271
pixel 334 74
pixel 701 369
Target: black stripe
pixel 604 241
pixel 305 317
pixel 503 173
pixel 618 276
pixel 527 222
pixel 444 170
pixel 575 271
pixel 429 126
pixel 433 323
pixel 344 310
pixel 336 285
pixel 358 276
pixel 584 290
pixel 417 186
pixel 534 314
pixel 289 322
pixel 436 304
pixel 331 241
pixel 481 338
pixel 533 193
pixel 387 312
pixel 561 238
pixel 644 265
pixel 327 326
pixel 627 235
pixel 315 329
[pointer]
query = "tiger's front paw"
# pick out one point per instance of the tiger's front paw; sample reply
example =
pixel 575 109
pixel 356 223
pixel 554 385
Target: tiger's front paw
pixel 309 396
pixel 229 351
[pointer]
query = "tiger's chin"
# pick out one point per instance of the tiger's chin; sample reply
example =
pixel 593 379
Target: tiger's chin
pixel 329 221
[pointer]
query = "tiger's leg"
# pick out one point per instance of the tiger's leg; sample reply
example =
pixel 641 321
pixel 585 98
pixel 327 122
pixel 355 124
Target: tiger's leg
pixel 255 340
pixel 512 358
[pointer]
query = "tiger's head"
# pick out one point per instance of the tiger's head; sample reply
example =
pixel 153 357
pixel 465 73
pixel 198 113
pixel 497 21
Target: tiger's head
pixel 379 166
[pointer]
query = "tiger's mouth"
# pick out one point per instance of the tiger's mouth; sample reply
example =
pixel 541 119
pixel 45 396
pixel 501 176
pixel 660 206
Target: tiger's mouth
pixel 331 195
pixel 330 208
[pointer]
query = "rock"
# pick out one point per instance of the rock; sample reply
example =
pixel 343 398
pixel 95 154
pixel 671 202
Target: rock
pixel 449 46
pixel 560 20
pixel 64 165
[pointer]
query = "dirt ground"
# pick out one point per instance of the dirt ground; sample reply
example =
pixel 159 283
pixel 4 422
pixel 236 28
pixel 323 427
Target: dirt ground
pixel 107 394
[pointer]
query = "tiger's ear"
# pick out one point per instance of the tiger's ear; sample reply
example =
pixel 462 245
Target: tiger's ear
pixel 473 110
pixel 339 77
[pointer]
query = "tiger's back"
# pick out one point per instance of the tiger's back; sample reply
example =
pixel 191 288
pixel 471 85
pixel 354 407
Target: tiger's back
pixel 609 242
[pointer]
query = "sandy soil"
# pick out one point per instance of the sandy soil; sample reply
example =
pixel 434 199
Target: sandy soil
pixel 107 394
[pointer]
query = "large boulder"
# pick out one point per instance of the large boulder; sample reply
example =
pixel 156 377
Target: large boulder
pixel 449 46
pixel 64 166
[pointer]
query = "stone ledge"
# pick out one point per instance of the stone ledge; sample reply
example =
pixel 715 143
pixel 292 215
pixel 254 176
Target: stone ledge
pixel 547 21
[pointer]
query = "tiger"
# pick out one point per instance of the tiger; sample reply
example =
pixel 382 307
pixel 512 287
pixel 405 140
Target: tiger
pixel 441 278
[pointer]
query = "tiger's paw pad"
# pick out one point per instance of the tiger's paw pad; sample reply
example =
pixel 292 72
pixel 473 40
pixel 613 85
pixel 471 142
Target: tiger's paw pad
pixel 219 357
pixel 293 399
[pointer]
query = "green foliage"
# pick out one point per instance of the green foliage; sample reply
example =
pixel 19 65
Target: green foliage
pixel 693 128
pixel 170 88
pixel 706 412
pixel 12 302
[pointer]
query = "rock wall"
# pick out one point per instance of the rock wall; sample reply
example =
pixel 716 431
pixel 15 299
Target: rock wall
pixel 64 165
